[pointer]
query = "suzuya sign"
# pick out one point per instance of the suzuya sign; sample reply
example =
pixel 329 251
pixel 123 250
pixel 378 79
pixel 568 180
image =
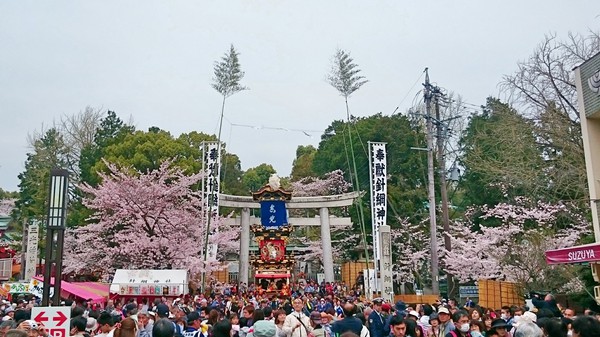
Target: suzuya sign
pixel 57 320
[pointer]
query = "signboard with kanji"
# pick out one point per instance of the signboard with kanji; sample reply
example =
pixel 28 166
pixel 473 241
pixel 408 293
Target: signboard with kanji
pixel 55 319
pixel 273 213
pixel 377 163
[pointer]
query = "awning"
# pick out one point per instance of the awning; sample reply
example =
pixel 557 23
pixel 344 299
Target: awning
pixel 272 275
pixel 577 254
pixel 68 289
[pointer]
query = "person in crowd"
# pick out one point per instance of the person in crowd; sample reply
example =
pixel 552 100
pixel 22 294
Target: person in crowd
pixel 194 325
pixel 263 328
pixel 434 329
pixel 398 327
pixel 500 327
pixel 106 325
pixel 223 329
pixel 7 325
pixel 475 313
pixel 506 314
pixel 446 324
pixel 528 330
pixel 246 318
pixel 163 328
pixel 586 326
pixel 376 321
pixel 569 313
pixel 78 325
pixel 279 320
pixel 16 333
pixel 548 303
pixel 487 322
pixel 315 323
pixel 144 324
pixel 462 325
pixel 127 328
pixel 349 322
pixel 297 321
pixel 477 328
pixel 426 311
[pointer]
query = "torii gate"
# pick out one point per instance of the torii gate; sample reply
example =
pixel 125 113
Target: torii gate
pixel 323 203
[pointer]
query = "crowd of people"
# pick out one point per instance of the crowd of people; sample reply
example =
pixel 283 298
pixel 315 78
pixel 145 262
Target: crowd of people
pixel 319 312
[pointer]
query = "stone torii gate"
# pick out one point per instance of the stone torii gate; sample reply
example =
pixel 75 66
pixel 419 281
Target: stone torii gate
pixel 323 203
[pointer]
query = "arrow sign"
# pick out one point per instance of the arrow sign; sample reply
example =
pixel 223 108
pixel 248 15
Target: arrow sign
pixel 60 318
pixel 55 319
pixel 41 318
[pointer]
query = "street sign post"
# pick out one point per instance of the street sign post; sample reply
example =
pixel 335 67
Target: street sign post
pixel 56 319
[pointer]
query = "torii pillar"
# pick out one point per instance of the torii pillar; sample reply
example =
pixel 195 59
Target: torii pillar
pixel 323 203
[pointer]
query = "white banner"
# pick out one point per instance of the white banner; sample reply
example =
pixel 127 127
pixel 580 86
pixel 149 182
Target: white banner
pixel 211 186
pixel 369 279
pixel 32 248
pixel 377 165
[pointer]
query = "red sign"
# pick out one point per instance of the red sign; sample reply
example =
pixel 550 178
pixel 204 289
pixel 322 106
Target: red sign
pixel 55 319
pixel 272 250
pixel 577 254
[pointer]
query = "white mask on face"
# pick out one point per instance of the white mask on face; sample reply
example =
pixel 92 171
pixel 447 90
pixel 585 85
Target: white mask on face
pixel 465 327
pixel 503 316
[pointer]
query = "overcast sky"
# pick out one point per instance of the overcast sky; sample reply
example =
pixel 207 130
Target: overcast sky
pixel 153 61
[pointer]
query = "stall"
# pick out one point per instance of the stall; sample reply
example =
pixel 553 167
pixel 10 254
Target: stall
pixel 149 283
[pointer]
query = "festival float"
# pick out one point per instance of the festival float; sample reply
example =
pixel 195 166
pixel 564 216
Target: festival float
pixel 273 264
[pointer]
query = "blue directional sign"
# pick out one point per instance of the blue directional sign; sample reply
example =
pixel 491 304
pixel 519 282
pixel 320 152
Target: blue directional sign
pixel 273 213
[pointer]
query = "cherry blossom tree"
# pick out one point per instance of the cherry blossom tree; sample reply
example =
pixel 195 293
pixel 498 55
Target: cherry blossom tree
pixel 512 246
pixel 143 221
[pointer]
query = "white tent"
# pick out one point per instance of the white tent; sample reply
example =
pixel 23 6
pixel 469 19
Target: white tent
pixel 168 282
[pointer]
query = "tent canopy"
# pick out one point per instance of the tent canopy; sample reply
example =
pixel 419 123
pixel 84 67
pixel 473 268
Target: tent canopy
pixel 576 254
pixel 82 290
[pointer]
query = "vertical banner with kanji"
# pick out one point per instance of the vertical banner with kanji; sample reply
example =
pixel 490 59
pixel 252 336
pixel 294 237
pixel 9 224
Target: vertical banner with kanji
pixel 32 249
pixel 377 165
pixel 210 189
pixel 385 241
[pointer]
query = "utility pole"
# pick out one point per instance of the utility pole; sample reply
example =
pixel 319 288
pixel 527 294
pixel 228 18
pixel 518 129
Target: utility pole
pixel 428 94
pixel 443 188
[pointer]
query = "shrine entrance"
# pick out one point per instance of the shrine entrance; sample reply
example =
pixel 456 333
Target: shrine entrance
pixel 273 262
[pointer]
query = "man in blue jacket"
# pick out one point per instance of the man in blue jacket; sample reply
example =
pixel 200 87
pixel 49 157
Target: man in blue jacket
pixel 376 321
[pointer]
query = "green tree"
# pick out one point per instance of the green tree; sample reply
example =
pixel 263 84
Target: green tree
pixel 302 166
pixel 501 157
pixel 48 152
pixel 256 177
pixel 112 130
pixel 406 169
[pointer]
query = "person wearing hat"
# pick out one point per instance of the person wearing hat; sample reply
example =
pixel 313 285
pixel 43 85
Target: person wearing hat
pixel 500 326
pixel 434 326
pixel 315 323
pixel 194 325
pixel 446 324
pixel 376 321
pixel 264 328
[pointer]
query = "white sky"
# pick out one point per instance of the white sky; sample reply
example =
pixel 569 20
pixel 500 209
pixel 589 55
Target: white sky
pixel 153 61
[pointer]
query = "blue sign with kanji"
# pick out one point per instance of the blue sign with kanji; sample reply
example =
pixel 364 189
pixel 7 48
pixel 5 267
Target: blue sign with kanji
pixel 273 213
